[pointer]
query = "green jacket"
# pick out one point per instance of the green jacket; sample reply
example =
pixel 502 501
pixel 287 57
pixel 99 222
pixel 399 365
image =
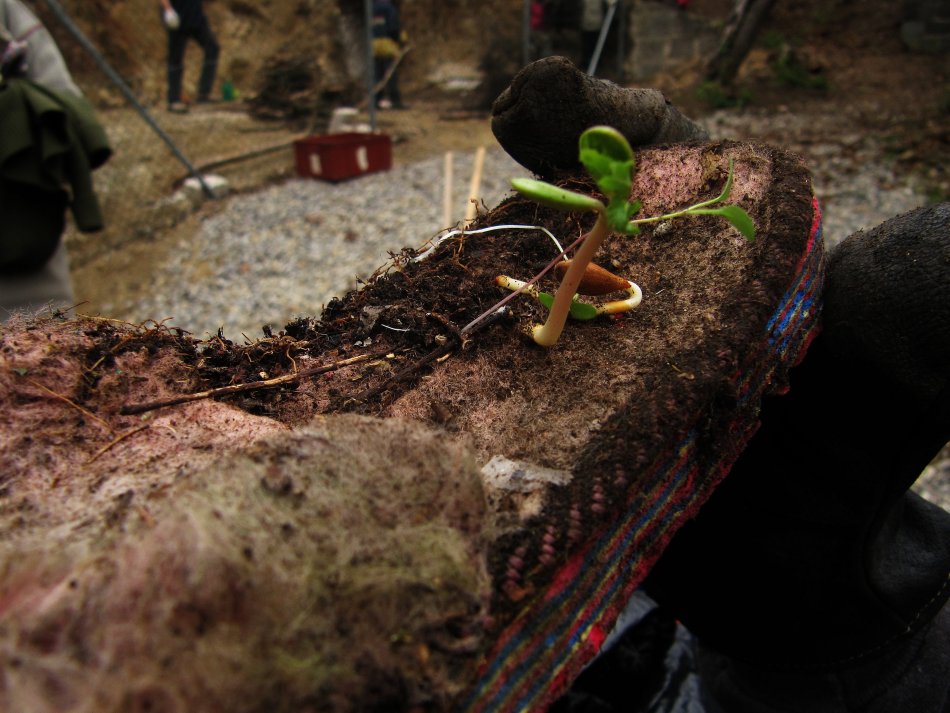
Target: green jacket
pixel 52 140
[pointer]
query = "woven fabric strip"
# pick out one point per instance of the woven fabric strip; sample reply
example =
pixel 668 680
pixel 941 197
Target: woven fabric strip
pixel 548 644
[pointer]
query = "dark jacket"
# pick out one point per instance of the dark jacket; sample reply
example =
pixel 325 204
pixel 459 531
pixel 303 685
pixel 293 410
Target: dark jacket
pixel 386 21
pixel 190 12
pixel 50 142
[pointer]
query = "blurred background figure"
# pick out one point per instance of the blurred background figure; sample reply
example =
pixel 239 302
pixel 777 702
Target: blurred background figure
pixel 388 40
pixel 592 17
pixel 541 42
pixel 184 20
pixel 50 141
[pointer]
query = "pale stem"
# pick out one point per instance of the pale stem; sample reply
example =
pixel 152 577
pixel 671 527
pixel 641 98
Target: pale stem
pixel 501 303
pixel 548 334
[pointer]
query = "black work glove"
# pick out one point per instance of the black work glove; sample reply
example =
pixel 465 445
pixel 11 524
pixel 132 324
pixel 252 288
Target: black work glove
pixel 812 556
pixel 812 560
pixel 540 116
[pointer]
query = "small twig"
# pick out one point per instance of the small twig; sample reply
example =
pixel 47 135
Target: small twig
pixel 84 412
pixel 472 209
pixel 132 409
pixel 451 344
pixel 387 75
pixel 130 432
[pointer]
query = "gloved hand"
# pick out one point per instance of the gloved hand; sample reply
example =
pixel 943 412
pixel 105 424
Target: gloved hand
pixel 171 19
pixel 812 559
pixel 812 556
pixel 540 116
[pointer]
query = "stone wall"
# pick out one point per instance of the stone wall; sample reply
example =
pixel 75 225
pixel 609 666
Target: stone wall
pixel 663 37
pixel 927 26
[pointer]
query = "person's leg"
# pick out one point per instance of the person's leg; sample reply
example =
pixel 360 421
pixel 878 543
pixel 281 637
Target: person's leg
pixel 209 67
pixel 380 64
pixel 50 287
pixel 175 65
pixel 393 90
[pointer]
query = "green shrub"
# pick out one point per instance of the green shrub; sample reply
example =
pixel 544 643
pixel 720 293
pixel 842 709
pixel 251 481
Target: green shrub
pixel 717 96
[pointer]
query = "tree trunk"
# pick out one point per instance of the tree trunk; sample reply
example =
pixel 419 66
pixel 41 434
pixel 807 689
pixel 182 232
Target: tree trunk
pixel 741 30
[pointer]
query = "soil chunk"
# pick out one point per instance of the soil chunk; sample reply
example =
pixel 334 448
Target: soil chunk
pixel 406 541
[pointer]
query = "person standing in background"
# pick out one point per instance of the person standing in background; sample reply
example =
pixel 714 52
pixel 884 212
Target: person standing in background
pixel 592 17
pixel 184 20
pixel 388 39
pixel 50 141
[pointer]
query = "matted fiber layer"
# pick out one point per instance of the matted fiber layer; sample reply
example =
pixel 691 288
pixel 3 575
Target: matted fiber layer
pixel 537 656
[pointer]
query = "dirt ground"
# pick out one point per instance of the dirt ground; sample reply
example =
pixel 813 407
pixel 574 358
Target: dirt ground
pixel 875 87
pixel 128 257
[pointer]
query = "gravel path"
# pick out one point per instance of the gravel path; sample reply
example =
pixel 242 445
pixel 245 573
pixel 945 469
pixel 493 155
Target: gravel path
pixel 234 273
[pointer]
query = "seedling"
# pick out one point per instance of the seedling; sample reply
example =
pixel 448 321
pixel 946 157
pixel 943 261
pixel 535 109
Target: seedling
pixel 608 158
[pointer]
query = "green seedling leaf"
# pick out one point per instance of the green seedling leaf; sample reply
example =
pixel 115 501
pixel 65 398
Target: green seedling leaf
pixel 618 216
pixel 607 141
pixel 614 187
pixel 598 165
pixel 740 220
pixel 579 310
pixel 607 156
pixel 554 197
pixel 582 311
pixel 727 188
pixel 723 195
pixel 734 214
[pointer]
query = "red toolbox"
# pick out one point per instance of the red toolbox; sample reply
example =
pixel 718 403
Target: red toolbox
pixel 336 157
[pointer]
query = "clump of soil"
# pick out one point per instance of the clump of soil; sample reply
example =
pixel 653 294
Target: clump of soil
pixel 365 561
pixel 206 559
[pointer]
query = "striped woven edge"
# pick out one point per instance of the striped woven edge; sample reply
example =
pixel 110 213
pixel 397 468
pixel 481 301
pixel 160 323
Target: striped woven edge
pixel 540 653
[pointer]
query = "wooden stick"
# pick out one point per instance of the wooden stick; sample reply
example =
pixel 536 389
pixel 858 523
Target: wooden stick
pixel 407 370
pixel 475 186
pixel 84 412
pixel 447 192
pixel 386 75
pixel 130 432
pixel 132 409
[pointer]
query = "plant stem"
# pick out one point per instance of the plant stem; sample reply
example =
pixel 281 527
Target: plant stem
pixel 695 208
pixel 548 334
pixel 470 327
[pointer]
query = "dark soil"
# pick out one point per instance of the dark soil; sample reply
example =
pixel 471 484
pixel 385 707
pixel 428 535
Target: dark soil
pixel 93 442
